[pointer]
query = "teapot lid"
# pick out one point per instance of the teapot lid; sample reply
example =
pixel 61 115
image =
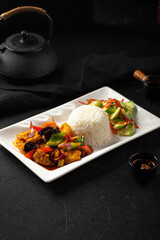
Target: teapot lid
pixel 24 42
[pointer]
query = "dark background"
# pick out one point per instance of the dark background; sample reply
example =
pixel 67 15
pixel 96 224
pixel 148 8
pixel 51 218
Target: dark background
pixel 98 11
pixel 100 200
pixel 100 26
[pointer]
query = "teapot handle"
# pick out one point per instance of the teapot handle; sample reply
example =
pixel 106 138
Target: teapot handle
pixel 5 16
pixel 23 9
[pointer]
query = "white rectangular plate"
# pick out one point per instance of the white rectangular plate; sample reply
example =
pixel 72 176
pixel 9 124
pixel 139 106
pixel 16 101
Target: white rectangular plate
pixel 146 121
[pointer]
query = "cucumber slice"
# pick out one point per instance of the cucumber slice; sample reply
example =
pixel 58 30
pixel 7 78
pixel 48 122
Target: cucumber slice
pixel 110 110
pixel 127 113
pixel 115 114
pixel 129 109
pixel 119 119
pixel 122 104
pixel 129 105
pixel 129 130
pixel 96 103
pixel 119 125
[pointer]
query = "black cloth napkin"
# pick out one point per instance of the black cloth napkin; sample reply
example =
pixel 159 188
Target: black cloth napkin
pixel 73 80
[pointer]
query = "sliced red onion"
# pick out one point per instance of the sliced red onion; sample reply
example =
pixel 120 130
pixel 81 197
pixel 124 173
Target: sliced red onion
pixel 66 145
pixel 32 132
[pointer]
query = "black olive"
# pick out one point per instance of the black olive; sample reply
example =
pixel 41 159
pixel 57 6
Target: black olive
pixel 47 132
pixel 43 130
pixel 29 146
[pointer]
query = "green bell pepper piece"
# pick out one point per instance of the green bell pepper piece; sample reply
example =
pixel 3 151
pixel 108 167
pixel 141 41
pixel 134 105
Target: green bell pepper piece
pixel 80 140
pixel 56 139
pixel 75 145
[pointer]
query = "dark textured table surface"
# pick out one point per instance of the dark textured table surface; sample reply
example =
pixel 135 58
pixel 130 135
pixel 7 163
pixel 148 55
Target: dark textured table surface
pixel 100 200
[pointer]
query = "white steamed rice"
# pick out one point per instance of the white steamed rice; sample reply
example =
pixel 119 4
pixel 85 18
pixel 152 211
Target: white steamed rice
pixel 93 123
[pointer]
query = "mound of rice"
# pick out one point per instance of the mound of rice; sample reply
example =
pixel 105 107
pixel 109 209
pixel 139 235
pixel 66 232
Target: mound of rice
pixel 93 123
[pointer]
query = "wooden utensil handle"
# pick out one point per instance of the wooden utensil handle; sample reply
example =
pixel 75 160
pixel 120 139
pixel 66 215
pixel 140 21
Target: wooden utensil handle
pixel 22 9
pixel 140 76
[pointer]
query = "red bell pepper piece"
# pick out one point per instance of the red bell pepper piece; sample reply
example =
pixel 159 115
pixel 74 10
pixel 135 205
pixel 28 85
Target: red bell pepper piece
pixel 107 105
pixel 112 128
pixel 117 103
pixel 68 136
pixel 47 149
pixel 82 103
pixel 136 126
pixel 87 149
pixel 30 153
pixel 90 100
pixel 36 128
pixel 48 124
pixel 124 116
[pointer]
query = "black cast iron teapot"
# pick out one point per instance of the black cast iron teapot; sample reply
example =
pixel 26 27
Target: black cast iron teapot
pixel 27 55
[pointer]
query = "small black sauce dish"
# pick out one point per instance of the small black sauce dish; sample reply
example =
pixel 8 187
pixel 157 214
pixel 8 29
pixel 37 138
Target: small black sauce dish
pixel 143 165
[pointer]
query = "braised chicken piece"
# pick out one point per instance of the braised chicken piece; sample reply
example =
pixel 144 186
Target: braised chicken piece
pixel 42 158
pixel 36 137
pixel 20 145
pixel 66 128
pixel 23 136
pixel 71 156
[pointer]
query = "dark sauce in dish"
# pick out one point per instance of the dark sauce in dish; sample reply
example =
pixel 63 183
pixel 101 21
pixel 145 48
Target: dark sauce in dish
pixel 143 164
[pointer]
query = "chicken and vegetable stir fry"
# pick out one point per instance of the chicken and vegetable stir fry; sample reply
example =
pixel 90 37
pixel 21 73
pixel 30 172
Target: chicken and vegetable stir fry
pixel 51 145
